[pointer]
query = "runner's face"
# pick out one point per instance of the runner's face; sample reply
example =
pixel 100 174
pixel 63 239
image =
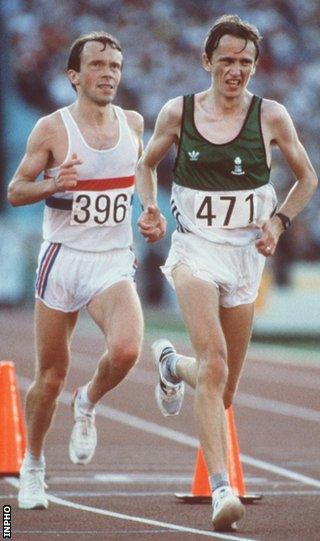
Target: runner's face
pixel 100 72
pixel 231 65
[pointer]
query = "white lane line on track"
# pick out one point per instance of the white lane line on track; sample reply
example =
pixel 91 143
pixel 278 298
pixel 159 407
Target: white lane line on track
pixel 249 400
pixel 277 407
pixel 123 479
pixel 132 518
pixel 89 533
pixel 292 493
pixel 252 372
pixel 121 495
pixel 293 377
pixel 134 479
pixel 258 351
pixel 133 421
pixel 262 465
pixel 282 354
pixel 112 494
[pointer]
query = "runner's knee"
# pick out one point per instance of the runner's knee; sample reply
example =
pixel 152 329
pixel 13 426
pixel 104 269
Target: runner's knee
pixel 213 369
pixel 124 355
pixel 51 382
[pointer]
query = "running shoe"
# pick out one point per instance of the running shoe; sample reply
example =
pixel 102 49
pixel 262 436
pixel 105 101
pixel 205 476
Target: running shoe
pixel 169 396
pixel 83 439
pixel 227 509
pixel 32 489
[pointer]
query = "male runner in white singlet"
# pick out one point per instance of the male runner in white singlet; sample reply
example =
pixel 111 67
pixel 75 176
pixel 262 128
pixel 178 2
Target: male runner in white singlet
pixel 88 152
pixel 223 202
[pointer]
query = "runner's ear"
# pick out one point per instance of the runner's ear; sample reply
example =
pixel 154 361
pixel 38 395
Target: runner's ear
pixel 73 77
pixel 206 64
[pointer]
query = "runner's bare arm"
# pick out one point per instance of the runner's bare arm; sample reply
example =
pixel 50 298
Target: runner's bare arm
pixel 284 135
pixel 151 223
pixel 23 190
pixel 166 133
pixel 136 124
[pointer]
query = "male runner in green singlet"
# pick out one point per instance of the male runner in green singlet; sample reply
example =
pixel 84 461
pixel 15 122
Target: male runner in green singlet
pixel 227 223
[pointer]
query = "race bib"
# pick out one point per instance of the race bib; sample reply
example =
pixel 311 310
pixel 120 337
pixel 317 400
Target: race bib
pixel 108 208
pixel 221 210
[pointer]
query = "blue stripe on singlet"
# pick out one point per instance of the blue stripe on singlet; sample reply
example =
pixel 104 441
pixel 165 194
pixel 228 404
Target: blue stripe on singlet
pixel 58 203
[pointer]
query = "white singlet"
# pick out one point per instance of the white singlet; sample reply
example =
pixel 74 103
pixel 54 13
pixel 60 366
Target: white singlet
pixel 96 215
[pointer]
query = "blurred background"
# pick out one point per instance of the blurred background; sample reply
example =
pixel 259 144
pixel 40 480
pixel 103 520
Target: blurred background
pixel 162 43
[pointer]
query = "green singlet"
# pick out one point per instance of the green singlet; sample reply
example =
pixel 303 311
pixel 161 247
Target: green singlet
pixel 240 164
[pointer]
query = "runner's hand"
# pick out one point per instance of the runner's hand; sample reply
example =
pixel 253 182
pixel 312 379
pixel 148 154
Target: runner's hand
pixel 270 233
pixel 152 224
pixel 67 176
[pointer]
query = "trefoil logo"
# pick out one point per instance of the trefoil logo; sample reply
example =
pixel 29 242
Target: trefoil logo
pixel 194 156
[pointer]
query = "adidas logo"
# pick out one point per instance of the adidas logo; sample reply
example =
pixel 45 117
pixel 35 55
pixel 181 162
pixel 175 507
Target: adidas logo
pixel 193 156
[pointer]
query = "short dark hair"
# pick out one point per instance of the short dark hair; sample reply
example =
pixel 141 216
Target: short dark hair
pixel 76 48
pixel 234 26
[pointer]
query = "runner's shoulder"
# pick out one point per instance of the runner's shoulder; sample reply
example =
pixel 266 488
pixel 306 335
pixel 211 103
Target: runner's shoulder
pixel 172 111
pixel 47 129
pixel 135 120
pixel 273 111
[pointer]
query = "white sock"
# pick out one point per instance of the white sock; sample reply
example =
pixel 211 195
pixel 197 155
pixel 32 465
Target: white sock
pixel 219 480
pixel 85 404
pixel 169 368
pixel 31 462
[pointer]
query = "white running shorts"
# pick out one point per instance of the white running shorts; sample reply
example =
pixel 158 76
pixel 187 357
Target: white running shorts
pixel 68 279
pixel 235 270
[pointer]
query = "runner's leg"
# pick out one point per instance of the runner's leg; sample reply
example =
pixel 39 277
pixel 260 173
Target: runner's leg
pixel 237 326
pixel 53 330
pixel 117 311
pixel 199 302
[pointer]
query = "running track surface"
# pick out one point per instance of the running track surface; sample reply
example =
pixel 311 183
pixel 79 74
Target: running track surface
pixel 142 458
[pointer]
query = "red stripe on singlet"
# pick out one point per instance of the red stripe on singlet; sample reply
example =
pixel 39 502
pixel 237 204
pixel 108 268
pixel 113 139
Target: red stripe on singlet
pixel 101 184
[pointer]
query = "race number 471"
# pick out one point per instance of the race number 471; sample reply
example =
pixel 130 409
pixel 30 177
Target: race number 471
pixel 224 210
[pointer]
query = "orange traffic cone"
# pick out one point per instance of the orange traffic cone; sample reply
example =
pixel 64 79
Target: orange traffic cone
pixel 201 489
pixel 12 426
pixel 235 471
pixel 200 485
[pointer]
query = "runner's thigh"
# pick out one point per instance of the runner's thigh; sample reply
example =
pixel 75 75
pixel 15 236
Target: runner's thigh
pixel 53 330
pixel 199 302
pixel 237 324
pixel 117 311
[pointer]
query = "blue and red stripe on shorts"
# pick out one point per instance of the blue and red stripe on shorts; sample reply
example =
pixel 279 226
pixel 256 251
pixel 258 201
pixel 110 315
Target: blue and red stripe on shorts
pixel 45 267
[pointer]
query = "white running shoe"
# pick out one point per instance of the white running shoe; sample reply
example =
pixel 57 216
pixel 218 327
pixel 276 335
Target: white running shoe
pixel 227 509
pixel 32 489
pixel 83 439
pixel 169 396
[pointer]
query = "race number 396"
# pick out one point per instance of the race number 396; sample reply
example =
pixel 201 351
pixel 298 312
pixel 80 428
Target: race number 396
pixel 100 208
pixel 225 210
